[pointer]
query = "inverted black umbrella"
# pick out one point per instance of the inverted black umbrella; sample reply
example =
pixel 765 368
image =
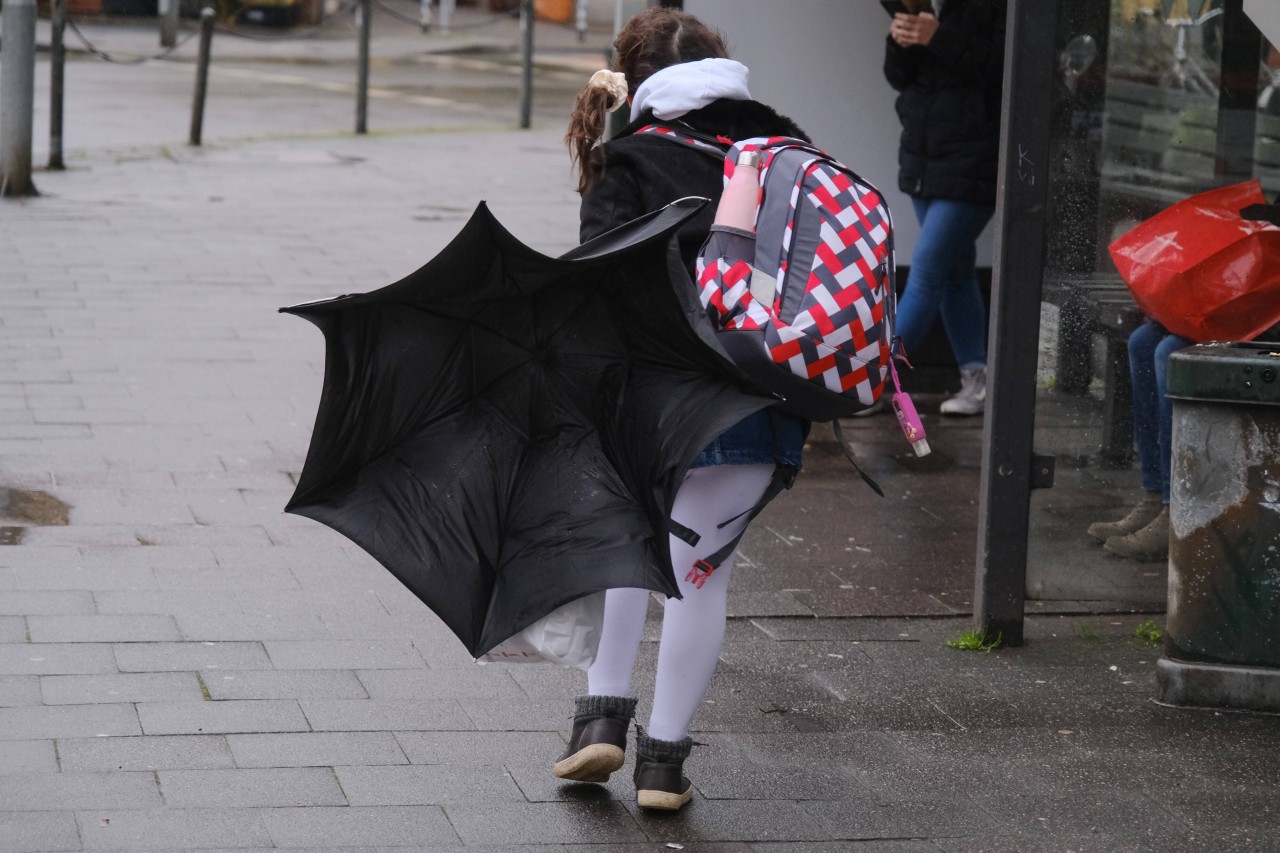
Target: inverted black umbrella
pixel 505 431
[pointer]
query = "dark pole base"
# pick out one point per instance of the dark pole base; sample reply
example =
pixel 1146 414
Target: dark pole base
pixel 25 189
pixel 1188 684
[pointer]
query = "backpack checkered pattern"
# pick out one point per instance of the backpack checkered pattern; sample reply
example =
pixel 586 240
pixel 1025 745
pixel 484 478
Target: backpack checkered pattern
pixel 805 306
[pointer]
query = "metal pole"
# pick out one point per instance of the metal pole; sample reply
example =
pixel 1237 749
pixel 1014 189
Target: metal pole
pixel 365 12
pixel 1242 53
pixel 57 77
pixel 619 119
pixel 168 14
pixel 1004 501
pixel 17 96
pixel 580 19
pixel 202 73
pixel 526 64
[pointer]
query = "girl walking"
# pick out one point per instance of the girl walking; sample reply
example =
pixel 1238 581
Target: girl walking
pixel 670 69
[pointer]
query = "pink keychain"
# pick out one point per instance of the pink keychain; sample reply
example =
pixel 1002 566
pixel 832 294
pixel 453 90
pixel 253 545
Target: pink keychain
pixel 908 418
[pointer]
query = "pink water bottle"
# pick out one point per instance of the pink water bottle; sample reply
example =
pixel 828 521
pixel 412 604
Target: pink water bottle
pixel 741 197
pixel 910 422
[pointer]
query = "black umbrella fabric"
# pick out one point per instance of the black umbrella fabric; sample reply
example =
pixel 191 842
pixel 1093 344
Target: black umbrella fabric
pixel 505 431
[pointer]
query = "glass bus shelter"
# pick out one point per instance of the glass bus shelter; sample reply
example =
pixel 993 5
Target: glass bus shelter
pixel 1148 102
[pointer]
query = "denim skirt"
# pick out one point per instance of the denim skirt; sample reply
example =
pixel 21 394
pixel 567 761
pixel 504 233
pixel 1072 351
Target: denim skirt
pixel 767 436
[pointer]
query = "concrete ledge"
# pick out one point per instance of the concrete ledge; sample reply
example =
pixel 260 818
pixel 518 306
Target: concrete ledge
pixel 1209 685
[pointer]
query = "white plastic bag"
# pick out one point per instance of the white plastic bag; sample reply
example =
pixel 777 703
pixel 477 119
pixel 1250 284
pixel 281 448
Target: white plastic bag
pixel 568 636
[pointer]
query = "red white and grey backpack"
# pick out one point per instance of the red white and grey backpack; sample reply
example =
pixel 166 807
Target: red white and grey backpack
pixel 806 307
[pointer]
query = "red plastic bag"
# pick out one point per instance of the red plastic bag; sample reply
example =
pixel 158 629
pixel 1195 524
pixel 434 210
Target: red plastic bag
pixel 1201 270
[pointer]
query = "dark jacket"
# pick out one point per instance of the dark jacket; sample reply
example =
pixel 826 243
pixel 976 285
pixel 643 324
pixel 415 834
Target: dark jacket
pixel 645 172
pixel 949 104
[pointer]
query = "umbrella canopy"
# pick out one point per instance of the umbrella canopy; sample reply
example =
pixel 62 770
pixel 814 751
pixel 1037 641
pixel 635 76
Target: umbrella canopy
pixel 505 431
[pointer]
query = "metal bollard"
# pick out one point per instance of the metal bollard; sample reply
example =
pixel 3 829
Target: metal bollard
pixel 202 73
pixel 526 63
pixel 17 97
pixel 365 13
pixel 57 78
pixel 167 11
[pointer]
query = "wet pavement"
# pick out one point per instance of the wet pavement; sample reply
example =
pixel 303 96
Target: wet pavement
pixel 182 666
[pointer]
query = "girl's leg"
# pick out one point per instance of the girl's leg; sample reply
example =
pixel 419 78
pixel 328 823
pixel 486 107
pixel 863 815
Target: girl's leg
pixel 1164 442
pixel 948 232
pixel 1143 345
pixel 598 741
pixel 693 627
pixel 620 636
pixel 1151 542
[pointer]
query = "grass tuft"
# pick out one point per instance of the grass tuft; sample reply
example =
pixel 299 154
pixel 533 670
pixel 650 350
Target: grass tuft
pixel 975 640
pixel 1149 632
pixel 204 688
pixel 1085 631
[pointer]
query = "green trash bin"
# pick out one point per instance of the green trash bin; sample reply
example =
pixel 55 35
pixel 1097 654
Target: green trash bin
pixel 1222 636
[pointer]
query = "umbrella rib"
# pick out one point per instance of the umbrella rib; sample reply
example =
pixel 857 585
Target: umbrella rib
pixel 567 319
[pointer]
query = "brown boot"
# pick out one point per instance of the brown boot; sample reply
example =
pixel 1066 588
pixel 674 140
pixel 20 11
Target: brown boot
pixel 1139 517
pixel 660 780
pixel 599 738
pixel 1149 544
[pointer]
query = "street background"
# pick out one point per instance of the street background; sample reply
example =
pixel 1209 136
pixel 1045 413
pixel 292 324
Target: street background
pixel 182 666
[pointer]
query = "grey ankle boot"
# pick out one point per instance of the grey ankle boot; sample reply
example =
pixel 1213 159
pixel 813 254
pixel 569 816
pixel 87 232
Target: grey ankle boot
pixel 1139 517
pixel 1149 544
pixel 598 742
pixel 660 780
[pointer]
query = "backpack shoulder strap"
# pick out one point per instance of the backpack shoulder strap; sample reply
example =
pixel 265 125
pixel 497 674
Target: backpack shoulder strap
pixel 783 478
pixel 688 137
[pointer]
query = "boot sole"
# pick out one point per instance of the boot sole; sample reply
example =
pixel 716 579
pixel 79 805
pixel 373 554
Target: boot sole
pixel 1114 535
pixel 664 800
pixel 1138 557
pixel 592 763
pixel 1102 531
pixel 1103 535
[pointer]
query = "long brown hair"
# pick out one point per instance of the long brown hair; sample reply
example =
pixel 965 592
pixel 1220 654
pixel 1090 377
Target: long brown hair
pixel 651 41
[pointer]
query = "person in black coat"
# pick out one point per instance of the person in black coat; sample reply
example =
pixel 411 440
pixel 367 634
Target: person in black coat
pixel 946 62
pixel 673 71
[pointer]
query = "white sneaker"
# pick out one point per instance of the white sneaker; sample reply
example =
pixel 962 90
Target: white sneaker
pixel 973 393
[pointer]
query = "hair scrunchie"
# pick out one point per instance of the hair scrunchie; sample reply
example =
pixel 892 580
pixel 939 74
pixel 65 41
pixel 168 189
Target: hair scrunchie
pixel 613 82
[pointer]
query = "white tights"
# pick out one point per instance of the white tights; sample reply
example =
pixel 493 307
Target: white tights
pixel 692 627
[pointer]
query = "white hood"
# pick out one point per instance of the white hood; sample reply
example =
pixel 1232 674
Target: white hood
pixel 678 89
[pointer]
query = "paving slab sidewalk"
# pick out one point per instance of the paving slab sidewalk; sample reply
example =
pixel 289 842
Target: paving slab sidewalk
pixel 184 667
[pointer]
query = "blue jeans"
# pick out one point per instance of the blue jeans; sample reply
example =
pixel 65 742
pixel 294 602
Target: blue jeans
pixel 1150 346
pixel 767 436
pixel 944 279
